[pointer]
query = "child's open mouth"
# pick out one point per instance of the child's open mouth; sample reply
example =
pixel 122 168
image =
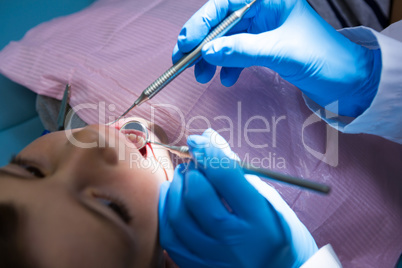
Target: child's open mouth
pixel 137 138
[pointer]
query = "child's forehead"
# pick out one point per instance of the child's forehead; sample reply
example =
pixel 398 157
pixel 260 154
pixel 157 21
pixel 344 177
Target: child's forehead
pixel 47 141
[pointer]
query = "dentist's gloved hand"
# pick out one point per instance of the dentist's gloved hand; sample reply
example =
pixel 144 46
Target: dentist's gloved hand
pixel 211 216
pixel 289 37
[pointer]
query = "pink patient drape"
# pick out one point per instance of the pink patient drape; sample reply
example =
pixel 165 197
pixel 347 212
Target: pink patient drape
pixel 112 50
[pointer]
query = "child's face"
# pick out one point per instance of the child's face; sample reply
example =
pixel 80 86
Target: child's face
pixel 74 216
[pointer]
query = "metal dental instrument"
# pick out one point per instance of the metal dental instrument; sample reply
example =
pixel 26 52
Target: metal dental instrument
pixel 141 138
pixel 183 151
pixel 63 108
pixel 188 59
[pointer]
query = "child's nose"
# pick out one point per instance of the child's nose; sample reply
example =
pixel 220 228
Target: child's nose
pixel 90 157
pixel 94 144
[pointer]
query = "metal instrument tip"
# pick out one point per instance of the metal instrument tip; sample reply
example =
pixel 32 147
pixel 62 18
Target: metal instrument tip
pixel 121 116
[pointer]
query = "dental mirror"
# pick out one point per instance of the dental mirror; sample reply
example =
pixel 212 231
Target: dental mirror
pixel 138 134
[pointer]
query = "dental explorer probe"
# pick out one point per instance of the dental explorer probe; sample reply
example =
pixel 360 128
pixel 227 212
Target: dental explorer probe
pixel 183 152
pixel 188 59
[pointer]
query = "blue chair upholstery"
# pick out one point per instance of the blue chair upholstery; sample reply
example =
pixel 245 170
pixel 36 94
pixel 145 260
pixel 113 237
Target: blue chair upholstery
pixel 19 122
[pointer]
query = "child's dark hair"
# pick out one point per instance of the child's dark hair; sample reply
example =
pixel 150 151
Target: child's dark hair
pixel 11 250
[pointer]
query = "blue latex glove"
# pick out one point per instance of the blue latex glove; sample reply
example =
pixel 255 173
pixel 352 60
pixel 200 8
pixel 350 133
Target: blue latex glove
pixel 289 37
pixel 211 216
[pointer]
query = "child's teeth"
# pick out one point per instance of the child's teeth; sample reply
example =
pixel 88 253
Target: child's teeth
pixel 132 137
pixel 136 139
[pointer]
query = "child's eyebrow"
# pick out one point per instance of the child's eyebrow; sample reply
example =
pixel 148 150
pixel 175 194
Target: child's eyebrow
pixel 11 217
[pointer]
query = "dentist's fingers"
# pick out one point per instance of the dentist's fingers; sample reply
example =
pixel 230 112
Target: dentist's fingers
pixel 208 208
pixel 226 176
pixel 206 18
pixel 229 75
pixel 204 71
pixel 270 49
pixel 178 227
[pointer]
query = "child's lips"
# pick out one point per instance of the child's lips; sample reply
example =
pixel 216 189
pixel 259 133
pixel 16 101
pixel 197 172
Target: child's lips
pixel 118 125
